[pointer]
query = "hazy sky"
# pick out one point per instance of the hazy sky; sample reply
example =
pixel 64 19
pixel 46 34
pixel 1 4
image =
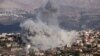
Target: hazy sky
pixel 37 3
pixel 25 4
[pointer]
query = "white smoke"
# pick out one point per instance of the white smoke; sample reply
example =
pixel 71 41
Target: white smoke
pixel 45 33
pixel 43 37
pixel 49 13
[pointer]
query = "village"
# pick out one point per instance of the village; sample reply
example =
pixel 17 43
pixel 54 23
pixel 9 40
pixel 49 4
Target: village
pixel 87 44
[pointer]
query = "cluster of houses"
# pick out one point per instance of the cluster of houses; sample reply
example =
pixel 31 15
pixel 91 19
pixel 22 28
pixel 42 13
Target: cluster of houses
pixel 11 44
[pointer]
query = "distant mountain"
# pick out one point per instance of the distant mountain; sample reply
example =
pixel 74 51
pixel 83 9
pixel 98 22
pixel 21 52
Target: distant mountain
pixel 79 18
pixel 10 19
pixel 10 16
pixel 69 17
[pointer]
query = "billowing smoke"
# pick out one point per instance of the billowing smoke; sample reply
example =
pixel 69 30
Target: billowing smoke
pixel 45 33
pixel 49 14
pixel 42 36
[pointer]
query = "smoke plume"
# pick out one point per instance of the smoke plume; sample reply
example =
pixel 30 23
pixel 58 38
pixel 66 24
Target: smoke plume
pixel 45 33
pixel 42 36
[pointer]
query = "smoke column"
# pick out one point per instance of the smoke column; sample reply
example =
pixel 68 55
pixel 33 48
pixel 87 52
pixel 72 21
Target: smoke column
pixel 43 37
pixel 45 33
pixel 49 13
